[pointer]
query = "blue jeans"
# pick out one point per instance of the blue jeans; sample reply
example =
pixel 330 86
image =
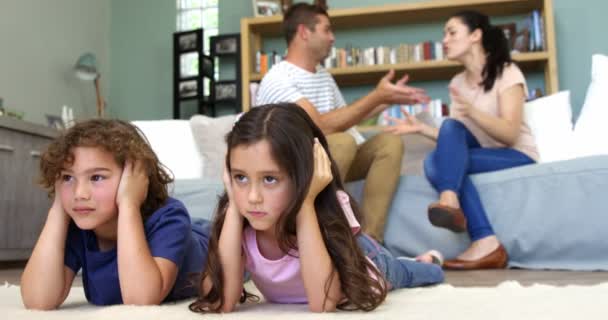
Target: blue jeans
pixel 458 154
pixel 399 272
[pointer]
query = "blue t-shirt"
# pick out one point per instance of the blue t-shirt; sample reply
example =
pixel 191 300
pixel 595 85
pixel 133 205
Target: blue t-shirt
pixel 170 234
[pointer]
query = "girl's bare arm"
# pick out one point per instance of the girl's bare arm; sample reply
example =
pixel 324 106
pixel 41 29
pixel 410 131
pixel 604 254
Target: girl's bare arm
pixel 316 263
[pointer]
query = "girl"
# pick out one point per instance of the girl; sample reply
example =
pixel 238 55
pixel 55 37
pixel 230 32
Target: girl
pixel 484 132
pixel 112 218
pixel 285 220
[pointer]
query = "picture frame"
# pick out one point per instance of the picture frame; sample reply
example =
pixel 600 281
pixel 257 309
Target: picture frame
pixel 188 89
pixel 187 60
pixel 207 65
pixel 510 32
pixel 54 121
pixel 227 45
pixel 263 8
pixel 225 90
pixel 187 41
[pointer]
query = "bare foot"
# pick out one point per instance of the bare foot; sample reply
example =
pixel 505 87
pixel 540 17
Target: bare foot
pixel 480 248
pixel 431 256
pixel 449 198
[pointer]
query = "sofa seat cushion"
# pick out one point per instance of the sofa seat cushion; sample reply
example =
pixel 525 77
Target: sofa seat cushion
pixel 551 215
pixel 548 216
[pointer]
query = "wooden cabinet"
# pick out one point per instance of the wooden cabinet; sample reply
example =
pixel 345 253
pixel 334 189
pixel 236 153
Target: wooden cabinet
pixel 23 204
pixel 253 31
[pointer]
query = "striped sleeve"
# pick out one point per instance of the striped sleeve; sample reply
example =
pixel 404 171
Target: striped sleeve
pixel 276 87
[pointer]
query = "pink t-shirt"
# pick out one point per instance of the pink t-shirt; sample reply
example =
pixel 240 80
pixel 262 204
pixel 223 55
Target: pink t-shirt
pixel 489 102
pixel 280 281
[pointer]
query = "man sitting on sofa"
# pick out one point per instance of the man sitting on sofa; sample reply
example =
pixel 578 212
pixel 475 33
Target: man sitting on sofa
pixel 300 79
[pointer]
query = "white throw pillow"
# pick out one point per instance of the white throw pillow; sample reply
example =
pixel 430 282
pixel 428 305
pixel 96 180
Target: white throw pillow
pixel 591 130
pixel 209 135
pixel 174 146
pixel 550 120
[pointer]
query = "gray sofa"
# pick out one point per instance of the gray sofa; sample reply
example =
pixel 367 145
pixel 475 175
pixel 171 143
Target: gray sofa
pixel 549 216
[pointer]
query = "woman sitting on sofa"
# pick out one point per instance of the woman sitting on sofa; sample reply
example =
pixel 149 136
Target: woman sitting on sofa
pixel 483 133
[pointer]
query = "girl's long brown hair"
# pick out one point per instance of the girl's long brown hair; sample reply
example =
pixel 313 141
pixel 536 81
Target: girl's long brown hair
pixel 123 140
pixel 290 132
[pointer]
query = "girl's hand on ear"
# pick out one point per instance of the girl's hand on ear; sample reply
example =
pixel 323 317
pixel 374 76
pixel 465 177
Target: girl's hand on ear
pixel 133 186
pixel 228 186
pixel 227 182
pixel 322 175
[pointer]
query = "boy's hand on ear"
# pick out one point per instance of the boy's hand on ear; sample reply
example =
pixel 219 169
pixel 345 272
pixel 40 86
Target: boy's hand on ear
pixel 322 175
pixel 57 206
pixel 133 186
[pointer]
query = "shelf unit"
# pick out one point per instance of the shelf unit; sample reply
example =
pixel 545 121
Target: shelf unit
pixel 253 31
pixel 191 87
pixel 226 46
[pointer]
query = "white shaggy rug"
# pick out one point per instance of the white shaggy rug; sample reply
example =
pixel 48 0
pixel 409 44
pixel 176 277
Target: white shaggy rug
pixel 509 300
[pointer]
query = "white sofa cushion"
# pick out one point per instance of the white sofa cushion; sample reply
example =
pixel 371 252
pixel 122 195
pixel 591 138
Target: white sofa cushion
pixel 550 120
pixel 173 143
pixel 209 135
pixel 590 131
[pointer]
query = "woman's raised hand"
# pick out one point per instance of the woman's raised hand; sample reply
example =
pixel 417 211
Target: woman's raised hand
pixel 461 106
pixel 403 126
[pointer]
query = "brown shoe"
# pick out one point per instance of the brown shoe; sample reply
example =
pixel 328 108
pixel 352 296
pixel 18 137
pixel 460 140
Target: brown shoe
pixel 447 217
pixel 496 259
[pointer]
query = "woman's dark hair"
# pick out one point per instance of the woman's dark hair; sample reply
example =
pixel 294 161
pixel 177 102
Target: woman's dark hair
pixel 494 43
pixel 121 139
pixel 290 132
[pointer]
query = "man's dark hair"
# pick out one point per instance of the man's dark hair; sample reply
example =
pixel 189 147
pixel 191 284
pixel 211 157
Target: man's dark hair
pixel 301 13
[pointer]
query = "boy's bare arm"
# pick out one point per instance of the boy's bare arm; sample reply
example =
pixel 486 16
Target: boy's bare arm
pixel 46 281
pixel 144 279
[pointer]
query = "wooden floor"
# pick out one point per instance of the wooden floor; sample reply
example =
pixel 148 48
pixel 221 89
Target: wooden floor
pixel 11 272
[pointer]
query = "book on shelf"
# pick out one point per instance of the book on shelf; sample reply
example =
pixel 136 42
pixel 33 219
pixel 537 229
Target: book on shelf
pixel 435 109
pixel 265 61
pixel 539 37
pixel 531 34
pixel 253 92
pixel 402 53
pixel 510 31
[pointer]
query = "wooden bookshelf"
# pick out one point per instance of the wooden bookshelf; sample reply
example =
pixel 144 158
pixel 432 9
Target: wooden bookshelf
pixel 253 31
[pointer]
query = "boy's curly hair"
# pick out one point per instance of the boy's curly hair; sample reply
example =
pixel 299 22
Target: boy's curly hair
pixel 123 140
